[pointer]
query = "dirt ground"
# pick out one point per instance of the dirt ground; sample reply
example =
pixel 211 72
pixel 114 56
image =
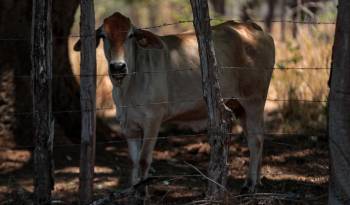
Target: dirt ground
pixel 295 170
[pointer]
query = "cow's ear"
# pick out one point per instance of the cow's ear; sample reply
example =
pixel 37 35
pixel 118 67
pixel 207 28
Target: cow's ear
pixel 99 35
pixel 147 39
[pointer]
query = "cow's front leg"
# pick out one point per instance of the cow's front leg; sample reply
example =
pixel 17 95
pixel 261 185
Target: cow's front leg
pixel 134 145
pixel 151 131
pixel 253 126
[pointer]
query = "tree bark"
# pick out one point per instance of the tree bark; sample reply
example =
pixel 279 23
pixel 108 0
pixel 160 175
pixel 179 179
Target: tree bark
pixel 283 19
pixel 15 29
pixel 66 90
pixel 66 94
pixel 88 100
pixel 219 6
pixel 219 116
pixel 15 21
pixel 246 6
pixel 339 109
pixel 270 14
pixel 296 18
pixel 42 101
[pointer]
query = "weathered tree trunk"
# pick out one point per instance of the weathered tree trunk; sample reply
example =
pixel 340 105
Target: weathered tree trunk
pixel 134 14
pixel 65 90
pixel 270 15
pixel 15 29
pixel 219 6
pixel 88 100
pixel 42 100
pixel 296 18
pixel 339 110
pixel 219 121
pixel 15 21
pixel 152 15
pixel 283 19
pixel 246 6
pixel 152 7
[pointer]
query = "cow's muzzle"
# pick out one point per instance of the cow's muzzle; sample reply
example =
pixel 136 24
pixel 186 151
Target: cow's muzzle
pixel 117 71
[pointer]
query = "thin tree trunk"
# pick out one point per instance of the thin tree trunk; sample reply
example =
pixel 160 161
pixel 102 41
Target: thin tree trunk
pixel 15 21
pixel 270 15
pixel 219 6
pixel 296 18
pixel 63 19
pixel 15 35
pixel 152 14
pixel 248 5
pixel 339 110
pixel 42 101
pixel 134 14
pixel 88 100
pixel 283 19
pixel 219 116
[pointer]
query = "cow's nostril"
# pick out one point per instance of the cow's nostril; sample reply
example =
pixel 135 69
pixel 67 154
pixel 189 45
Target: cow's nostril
pixel 117 67
pixel 122 67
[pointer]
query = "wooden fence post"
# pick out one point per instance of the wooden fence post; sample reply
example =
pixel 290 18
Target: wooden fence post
pixel 88 100
pixel 339 110
pixel 42 100
pixel 219 122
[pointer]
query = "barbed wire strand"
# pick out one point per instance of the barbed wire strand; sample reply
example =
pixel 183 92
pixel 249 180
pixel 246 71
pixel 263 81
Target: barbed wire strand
pixel 170 102
pixel 176 70
pixel 269 136
pixel 182 22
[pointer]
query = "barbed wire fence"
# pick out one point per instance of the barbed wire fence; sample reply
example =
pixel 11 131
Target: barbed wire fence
pixel 233 136
pixel 220 19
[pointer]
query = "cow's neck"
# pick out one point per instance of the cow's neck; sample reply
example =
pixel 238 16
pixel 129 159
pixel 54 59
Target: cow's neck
pixel 147 82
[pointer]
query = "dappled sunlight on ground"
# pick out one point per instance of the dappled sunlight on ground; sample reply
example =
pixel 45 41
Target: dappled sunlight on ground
pixel 12 160
pixel 289 168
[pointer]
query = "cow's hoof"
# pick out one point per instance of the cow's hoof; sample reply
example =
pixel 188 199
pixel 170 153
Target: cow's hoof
pixel 250 188
pixel 247 190
pixel 152 170
pixel 147 201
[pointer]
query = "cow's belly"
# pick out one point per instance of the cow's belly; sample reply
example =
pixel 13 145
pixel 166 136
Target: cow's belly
pixel 188 115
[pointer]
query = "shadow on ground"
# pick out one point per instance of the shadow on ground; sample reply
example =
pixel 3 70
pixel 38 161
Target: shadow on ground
pixel 294 168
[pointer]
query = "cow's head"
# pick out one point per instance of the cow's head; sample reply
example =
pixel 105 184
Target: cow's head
pixel 120 39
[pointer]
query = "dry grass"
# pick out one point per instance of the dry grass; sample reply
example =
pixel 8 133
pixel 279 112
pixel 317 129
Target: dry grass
pixel 305 88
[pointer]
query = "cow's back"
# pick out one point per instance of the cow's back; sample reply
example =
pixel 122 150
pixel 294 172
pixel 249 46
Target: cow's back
pixel 245 57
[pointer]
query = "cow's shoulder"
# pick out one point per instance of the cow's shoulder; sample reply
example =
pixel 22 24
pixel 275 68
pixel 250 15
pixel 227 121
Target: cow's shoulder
pixel 247 33
pixel 238 25
pixel 182 40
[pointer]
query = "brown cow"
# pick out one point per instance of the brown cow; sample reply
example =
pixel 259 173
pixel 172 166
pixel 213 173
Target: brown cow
pixel 157 79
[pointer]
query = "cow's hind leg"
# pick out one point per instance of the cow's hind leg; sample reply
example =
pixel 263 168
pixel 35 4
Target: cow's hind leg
pixel 252 121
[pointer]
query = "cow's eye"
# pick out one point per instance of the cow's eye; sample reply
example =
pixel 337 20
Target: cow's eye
pixel 102 36
pixel 132 35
